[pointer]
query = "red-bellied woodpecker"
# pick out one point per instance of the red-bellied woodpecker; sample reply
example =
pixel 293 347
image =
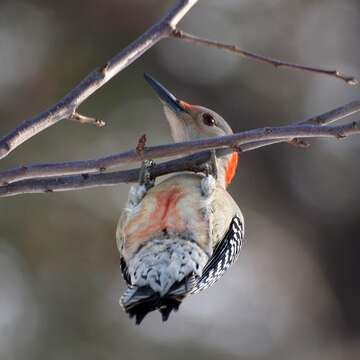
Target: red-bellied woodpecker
pixel 179 236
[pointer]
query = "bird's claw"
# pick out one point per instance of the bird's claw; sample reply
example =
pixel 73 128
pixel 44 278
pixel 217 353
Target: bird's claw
pixel 211 166
pixel 145 178
pixel 208 183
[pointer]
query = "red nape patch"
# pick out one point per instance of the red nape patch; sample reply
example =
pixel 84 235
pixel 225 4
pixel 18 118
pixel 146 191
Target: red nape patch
pixel 185 105
pixel 231 168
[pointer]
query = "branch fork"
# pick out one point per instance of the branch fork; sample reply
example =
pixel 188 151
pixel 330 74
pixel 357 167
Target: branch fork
pixel 89 173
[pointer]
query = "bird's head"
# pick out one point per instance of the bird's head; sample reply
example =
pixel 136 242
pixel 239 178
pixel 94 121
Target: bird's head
pixel 191 122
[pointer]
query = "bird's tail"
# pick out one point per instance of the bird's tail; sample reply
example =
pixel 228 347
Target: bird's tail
pixel 139 301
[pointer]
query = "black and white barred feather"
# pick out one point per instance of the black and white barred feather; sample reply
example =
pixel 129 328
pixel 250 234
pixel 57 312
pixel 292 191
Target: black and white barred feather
pixel 138 301
pixel 225 254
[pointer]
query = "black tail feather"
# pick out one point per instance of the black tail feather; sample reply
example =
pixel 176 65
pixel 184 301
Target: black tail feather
pixel 141 308
pixel 147 300
pixel 171 305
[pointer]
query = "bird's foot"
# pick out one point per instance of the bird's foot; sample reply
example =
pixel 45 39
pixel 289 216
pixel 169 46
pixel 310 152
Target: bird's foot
pixel 146 182
pixel 211 166
pixel 145 177
pixel 208 183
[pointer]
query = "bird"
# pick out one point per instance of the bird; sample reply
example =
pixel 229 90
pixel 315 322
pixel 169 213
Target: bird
pixel 179 236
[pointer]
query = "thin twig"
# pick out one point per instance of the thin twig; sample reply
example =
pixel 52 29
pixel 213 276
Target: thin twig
pixel 182 35
pixel 95 80
pixel 116 160
pixel 329 117
pixel 73 182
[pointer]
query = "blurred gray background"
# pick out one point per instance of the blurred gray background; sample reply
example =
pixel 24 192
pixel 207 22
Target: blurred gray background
pixel 295 292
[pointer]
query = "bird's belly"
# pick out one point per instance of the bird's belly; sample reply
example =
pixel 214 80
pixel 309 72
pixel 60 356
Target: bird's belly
pixel 171 207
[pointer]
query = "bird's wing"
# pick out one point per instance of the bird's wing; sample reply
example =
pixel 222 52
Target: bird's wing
pixel 124 271
pixel 225 254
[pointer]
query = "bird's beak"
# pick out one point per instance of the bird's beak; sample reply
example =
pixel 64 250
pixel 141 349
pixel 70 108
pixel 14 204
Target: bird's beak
pixel 167 98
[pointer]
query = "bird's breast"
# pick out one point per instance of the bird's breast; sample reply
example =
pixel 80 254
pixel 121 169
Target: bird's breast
pixel 174 206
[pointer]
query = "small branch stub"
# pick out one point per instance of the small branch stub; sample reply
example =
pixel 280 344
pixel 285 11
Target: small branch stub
pixel 348 79
pixel 140 147
pixel 340 135
pixel 103 69
pixel 82 119
pixel 4 149
pixel 299 143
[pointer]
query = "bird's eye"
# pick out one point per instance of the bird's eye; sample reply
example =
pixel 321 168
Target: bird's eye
pixel 208 119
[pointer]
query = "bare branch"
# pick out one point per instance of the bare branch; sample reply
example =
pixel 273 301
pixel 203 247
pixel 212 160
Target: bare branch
pixel 246 141
pixel 194 163
pixel 165 28
pixel 95 80
pixel 116 160
pixel 178 34
pixel 323 119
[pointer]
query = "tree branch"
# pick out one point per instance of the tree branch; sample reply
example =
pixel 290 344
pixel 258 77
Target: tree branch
pixel 192 163
pixel 66 107
pixel 182 35
pixel 323 119
pixel 116 160
pixel 165 28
